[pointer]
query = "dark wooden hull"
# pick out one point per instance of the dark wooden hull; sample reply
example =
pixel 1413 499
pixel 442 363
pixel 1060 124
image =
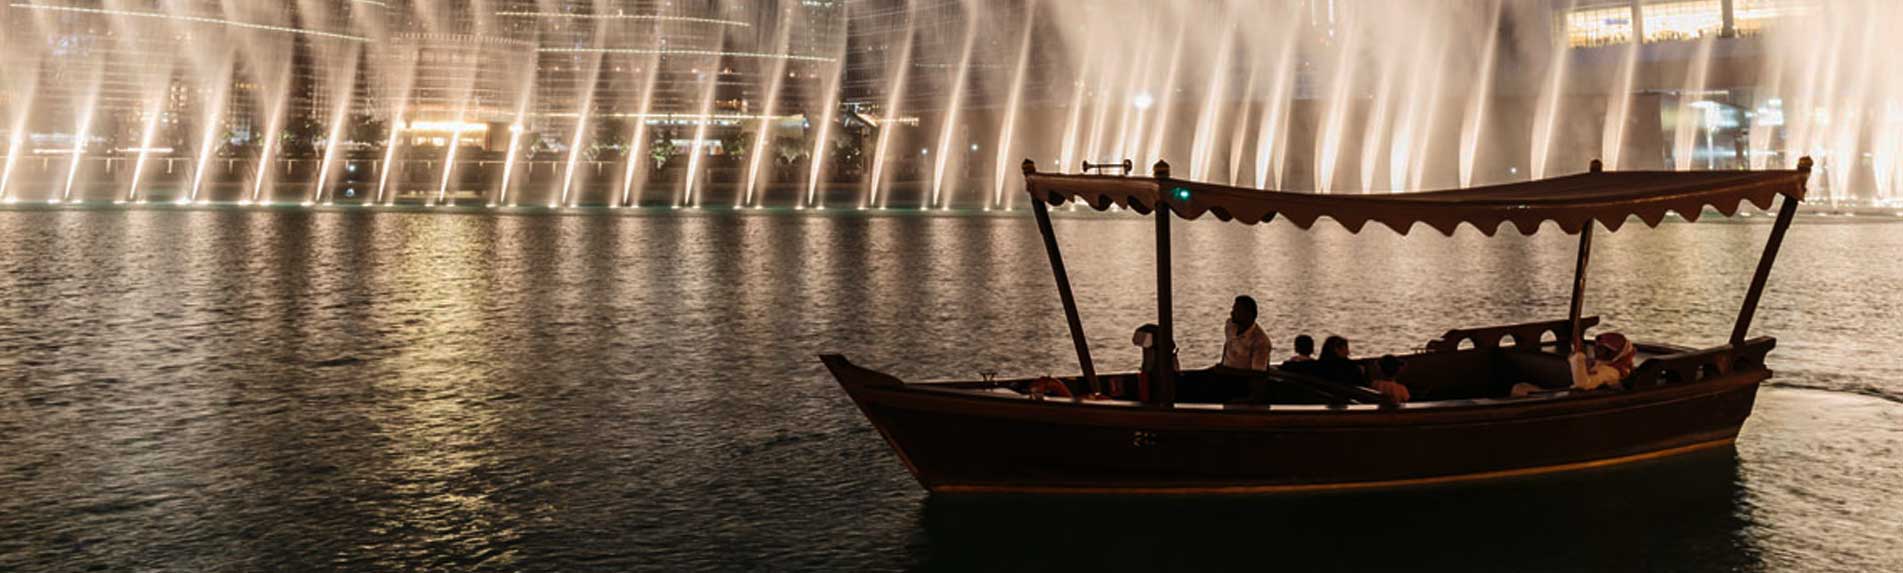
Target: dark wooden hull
pixel 962 441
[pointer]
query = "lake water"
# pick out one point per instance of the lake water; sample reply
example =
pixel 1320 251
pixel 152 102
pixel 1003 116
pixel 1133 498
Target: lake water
pixel 243 390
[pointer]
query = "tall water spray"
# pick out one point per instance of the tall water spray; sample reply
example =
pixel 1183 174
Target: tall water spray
pixel 1692 107
pixel 822 142
pixel 1618 107
pixel 83 132
pixel 1165 103
pixel 343 88
pixel 1470 127
pixel 1546 117
pixel 898 70
pixel 1335 119
pixel 635 175
pixel 591 80
pixel 1008 128
pixel 1271 145
pixel 1203 152
pixel 764 131
pixel 955 104
pixel 697 152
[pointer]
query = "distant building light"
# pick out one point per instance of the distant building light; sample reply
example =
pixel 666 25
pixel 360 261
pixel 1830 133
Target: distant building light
pixel 1143 100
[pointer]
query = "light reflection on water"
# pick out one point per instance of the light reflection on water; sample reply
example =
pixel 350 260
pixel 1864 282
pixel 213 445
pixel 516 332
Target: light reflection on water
pixel 243 390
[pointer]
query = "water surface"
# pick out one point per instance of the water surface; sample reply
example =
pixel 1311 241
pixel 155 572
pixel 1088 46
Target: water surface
pixel 248 390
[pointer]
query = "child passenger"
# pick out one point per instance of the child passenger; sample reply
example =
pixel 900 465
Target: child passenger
pixel 1304 350
pixel 1387 381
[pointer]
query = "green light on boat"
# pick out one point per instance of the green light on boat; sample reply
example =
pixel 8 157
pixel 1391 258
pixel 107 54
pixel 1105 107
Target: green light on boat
pixel 1181 193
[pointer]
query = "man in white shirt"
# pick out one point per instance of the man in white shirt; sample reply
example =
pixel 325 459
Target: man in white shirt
pixel 1244 344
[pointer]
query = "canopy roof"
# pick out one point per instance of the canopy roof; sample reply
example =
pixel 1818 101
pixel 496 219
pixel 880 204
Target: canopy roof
pixel 1571 201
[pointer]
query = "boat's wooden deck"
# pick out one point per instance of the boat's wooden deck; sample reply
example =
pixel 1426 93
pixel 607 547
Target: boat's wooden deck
pixel 1472 377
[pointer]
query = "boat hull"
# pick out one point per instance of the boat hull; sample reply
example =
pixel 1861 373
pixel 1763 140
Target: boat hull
pixel 965 442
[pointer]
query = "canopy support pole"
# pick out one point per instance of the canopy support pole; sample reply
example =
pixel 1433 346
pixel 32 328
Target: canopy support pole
pixel 1165 375
pixel 1056 256
pixel 1577 340
pixel 1785 213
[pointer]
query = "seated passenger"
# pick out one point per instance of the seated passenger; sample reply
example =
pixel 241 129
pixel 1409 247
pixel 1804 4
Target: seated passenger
pixel 1387 381
pixel 1144 338
pixel 1244 344
pixel 1304 350
pixel 1336 363
pixel 1610 363
pixel 1606 368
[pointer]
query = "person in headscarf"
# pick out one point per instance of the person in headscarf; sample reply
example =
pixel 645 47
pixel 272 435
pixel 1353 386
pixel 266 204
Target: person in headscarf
pixel 1610 363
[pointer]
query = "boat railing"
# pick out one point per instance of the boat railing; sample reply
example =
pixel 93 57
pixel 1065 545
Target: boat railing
pixel 1699 365
pixel 1529 335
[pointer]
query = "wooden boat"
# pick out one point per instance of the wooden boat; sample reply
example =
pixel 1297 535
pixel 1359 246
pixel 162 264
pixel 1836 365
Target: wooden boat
pixel 1303 433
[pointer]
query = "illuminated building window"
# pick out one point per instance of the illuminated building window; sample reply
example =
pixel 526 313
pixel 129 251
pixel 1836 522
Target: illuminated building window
pixel 1752 17
pixel 1599 26
pixel 1688 20
pixel 1675 20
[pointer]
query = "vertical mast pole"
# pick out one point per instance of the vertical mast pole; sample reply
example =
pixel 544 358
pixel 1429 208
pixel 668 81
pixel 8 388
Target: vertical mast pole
pixel 1579 289
pixel 1578 278
pixel 1165 374
pixel 1785 212
pixel 1577 340
pixel 1056 256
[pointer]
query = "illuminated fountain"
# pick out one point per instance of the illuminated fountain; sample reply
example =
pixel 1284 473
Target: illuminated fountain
pixel 900 71
pixel 703 122
pixel 954 104
pixel 1008 128
pixel 822 141
pixel 582 103
pixel 763 133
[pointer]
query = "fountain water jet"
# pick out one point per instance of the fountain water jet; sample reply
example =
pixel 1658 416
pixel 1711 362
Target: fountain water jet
pixel 1618 107
pixel 1073 124
pixel 822 141
pixel 342 87
pixel 1270 143
pixel 83 133
pixel 591 79
pixel 1239 133
pixel 1203 150
pixel 1546 118
pixel 957 98
pixel 1378 127
pixel 1759 142
pixel 635 173
pixel 218 84
pixel 1104 102
pixel 1405 140
pixel 1684 134
pixel 1164 106
pixel 899 71
pixel 697 152
pixel 271 135
pixel 1335 119
pixel 154 110
pixel 16 143
pixel 761 137
pixel 1477 108
pixel 1008 128
pixel 389 157
pixel 1424 138
pixel 1126 145
pixel 449 155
